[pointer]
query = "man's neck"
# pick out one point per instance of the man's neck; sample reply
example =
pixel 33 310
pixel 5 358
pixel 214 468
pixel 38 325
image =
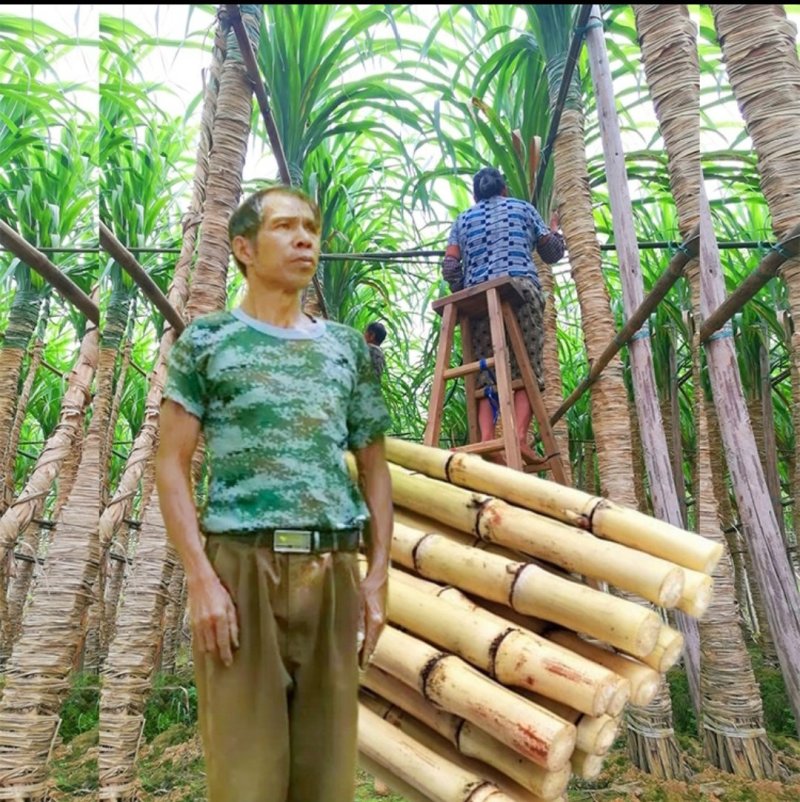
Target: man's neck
pixel 276 307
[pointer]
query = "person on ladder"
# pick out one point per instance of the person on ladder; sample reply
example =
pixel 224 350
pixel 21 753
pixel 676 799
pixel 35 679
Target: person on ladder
pixel 496 237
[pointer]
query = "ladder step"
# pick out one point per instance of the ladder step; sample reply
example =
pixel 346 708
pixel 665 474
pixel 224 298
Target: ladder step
pixel 517 384
pixel 470 367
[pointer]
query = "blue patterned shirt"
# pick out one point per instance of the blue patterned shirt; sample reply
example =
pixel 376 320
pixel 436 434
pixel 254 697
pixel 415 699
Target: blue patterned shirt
pixel 278 408
pixel 497 238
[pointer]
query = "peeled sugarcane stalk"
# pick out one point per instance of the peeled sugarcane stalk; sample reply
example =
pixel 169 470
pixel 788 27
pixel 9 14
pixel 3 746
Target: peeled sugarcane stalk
pixel 450 683
pixel 437 778
pixel 587 767
pixel 596 734
pixel 565 546
pixel 423 735
pixel 469 740
pixel 529 589
pixel 401 787
pixel 644 681
pixel 507 654
pixel 598 515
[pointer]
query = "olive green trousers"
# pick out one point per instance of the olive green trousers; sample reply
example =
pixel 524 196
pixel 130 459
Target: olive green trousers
pixel 280 724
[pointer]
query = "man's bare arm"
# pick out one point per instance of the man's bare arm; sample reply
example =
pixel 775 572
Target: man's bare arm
pixel 376 486
pixel 214 621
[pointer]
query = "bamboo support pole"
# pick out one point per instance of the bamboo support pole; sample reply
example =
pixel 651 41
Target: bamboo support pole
pixel 529 589
pixel 601 517
pixel 469 740
pixel 420 767
pixel 505 653
pixel 449 682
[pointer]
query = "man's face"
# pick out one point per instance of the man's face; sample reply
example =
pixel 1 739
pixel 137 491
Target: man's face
pixel 285 252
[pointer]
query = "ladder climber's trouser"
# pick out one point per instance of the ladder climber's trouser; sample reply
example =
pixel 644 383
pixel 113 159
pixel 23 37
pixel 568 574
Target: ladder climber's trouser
pixel 530 314
pixel 280 724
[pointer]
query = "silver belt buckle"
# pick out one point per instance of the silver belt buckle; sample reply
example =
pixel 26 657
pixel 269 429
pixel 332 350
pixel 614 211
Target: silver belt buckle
pixel 292 541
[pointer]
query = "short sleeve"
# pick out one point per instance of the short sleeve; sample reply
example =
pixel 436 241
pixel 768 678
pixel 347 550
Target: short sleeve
pixel 454 232
pixel 367 418
pixel 539 228
pixel 184 383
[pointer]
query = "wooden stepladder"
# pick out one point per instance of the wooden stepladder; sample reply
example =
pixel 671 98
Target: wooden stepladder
pixel 496 300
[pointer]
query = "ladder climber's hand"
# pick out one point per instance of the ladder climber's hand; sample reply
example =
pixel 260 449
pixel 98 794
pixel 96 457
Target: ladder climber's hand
pixel 554 221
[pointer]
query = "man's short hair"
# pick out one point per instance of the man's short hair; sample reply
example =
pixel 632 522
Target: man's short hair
pixel 248 218
pixel 378 332
pixel 487 183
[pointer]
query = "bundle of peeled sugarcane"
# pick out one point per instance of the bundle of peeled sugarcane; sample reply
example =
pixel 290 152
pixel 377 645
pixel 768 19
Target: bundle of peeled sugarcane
pixel 505 667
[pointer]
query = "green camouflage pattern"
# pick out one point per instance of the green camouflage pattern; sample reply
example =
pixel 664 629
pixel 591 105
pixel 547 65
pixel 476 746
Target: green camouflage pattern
pixel 278 408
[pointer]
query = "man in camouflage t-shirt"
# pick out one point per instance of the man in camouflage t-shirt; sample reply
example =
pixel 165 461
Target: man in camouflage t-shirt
pixel 279 397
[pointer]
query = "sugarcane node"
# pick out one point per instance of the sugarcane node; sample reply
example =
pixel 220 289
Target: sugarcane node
pixel 484 507
pixel 480 787
pixel 517 574
pixel 416 546
pixel 425 675
pixel 447 468
pixel 457 733
pixel 494 647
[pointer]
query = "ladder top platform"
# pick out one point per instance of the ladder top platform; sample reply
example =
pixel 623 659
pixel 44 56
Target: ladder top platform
pixel 472 301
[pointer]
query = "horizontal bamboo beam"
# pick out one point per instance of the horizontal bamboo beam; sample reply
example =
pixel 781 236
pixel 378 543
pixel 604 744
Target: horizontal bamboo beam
pixel 767 269
pixel 37 261
pixel 664 284
pixel 127 261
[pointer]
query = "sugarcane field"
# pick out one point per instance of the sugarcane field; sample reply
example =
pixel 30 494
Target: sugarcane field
pixel 399 403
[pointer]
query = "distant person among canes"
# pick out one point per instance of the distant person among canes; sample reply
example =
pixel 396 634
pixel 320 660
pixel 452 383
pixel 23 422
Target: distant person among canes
pixel 496 237
pixel 375 335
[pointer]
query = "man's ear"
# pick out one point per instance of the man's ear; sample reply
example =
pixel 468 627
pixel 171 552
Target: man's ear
pixel 242 249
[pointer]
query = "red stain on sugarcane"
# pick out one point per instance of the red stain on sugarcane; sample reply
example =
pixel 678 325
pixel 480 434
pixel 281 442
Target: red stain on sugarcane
pixel 561 670
pixel 533 745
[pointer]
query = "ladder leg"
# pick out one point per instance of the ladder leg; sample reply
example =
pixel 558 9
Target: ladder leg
pixel 534 395
pixel 503 372
pixel 434 427
pixel 470 382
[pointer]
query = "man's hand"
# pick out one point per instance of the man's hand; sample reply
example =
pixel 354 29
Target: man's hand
pixel 373 613
pixel 213 617
pixel 376 485
pixel 554 221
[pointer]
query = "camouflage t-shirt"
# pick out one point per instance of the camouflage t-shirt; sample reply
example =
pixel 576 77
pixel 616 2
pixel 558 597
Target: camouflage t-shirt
pixel 279 408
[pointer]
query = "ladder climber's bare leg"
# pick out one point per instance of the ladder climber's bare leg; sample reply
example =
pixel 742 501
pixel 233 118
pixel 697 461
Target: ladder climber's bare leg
pixel 485 420
pixel 523 415
pixel 487 426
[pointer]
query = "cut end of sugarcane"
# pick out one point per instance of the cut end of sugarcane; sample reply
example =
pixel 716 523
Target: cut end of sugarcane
pixel 716 551
pixel 645 691
pixel 621 697
pixel 671 591
pixel 647 635
pixel 697 599
pixel 587 767
pixel 562 748
pixel 605 738
pixel 553 784
pixel 668 650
